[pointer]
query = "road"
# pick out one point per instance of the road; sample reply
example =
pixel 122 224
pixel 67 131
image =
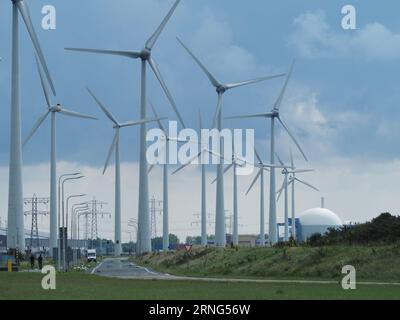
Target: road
pixel 124 269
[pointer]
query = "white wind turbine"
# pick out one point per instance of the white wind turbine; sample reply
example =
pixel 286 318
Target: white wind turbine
pixel 286 172
pixel 261 167
pixel 292 181
pixel 165 179
pixel 115 147
pixel 52 109
pixel 203 150
pixel 274 114
pixel 15 234
pixel 220 239
pixel 236 161
pixel 145 55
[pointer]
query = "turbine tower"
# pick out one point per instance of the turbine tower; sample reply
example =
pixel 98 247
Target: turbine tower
pixel 273 115
pixel 201 155
pixel 286 172
pixel 165 179
pixel 220 239
pixel 15 233
pixel 115 146
pixel 145 55
pixel 53 110
pixel 268 167
pixel 236 161
pixel 292 181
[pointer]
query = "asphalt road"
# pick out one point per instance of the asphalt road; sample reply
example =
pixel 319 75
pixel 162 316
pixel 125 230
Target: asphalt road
pixel 123 268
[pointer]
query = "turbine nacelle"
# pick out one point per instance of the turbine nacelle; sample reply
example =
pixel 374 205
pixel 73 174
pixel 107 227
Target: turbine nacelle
pixel 145 54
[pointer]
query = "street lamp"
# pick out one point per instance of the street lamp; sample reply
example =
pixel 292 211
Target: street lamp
pixel 59 213
pixel 68 198
pixel 65 216
pixel 76 211
pixel 67 177
pixel 75 207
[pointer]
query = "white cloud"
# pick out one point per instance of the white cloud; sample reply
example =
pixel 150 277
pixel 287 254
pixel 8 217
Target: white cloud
pixel 314 37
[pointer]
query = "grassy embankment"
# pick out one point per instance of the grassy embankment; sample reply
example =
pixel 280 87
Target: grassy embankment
pixel 372 263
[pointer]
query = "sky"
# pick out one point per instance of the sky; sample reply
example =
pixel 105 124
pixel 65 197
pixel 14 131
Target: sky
pixel 342 102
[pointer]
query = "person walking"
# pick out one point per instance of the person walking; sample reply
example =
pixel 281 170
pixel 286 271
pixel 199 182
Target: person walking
pixel 32 258
pixel 40 262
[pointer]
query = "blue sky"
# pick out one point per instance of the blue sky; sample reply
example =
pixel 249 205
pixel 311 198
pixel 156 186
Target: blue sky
pixel 236 41
pixel 343 101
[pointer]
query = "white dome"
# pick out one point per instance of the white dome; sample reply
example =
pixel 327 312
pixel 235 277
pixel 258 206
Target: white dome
pixel 319 217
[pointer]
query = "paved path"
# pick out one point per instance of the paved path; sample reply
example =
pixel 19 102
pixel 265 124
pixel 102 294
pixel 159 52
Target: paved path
pixel 124 269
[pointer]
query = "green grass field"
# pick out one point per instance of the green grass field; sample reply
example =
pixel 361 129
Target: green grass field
pixel 84 286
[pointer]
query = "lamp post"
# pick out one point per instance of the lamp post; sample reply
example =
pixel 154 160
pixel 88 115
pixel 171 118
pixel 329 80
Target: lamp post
pixel 59 214
pixel 67 177
pixel 67 211
pixel 75 209
pixel 65 218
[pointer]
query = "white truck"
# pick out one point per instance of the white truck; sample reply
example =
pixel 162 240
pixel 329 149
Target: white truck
pixel 91 255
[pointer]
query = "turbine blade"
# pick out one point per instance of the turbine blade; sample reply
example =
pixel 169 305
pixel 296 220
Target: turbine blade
pixel 160 125
pixel 36 127
pixel 188 163
pixel 281 95
pixel 217 109
pixel 214 81
pixel 103 107
pixel 111 150
pixel 43 83
pixel 258 156
pixel 150 168
pixel 292 137
pixel 248 82
pixel 280 190
pixel 158 75
pixel 24 10
pixel 154 37
pixel 291 158
pixel 200 122
pixel 135 123
pixel 128 54
pixel 257 115
pixel 279 159
pixel 307 184
pixel 225 171
pixel 301 170
pixel 76 114
pixel 254 181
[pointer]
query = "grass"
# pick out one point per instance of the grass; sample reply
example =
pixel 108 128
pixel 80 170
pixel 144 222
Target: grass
pixel 83 286
pixel 372 263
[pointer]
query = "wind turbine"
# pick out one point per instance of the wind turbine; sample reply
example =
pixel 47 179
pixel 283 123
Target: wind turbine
pixel 165 180
pixel 286 172
pixel 292 181
pixel 115 146
pixel 261 167
pixel 236 161
pixel 201 155
pixel 15 234
pixel 145 55
pixel 220 239
pixel 52 109
pixel 274 114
